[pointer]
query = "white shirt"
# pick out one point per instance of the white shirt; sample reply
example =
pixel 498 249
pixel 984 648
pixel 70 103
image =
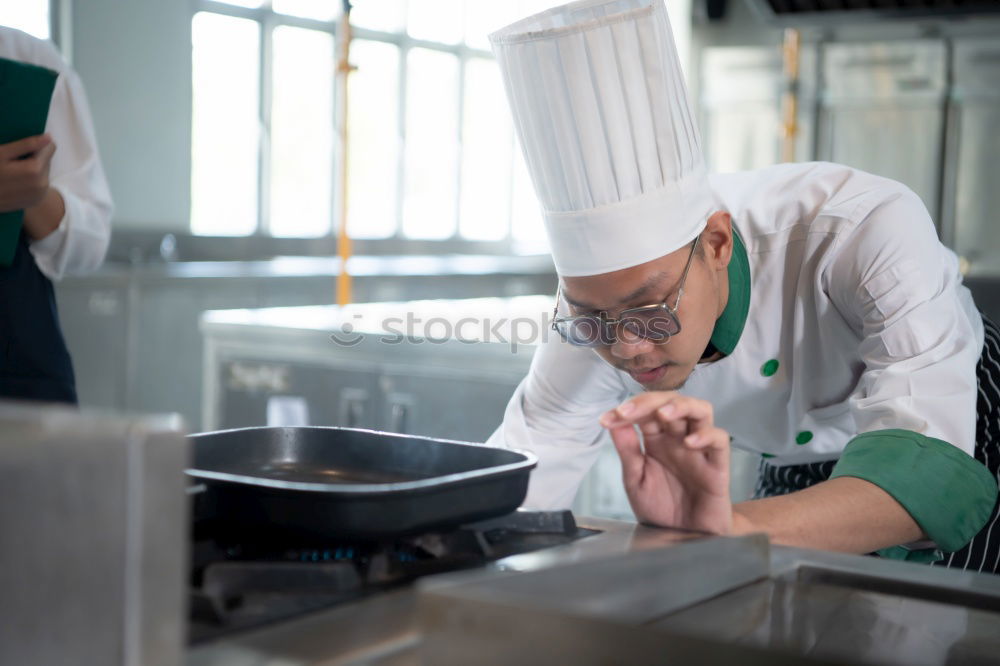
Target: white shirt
pixel 80 241
pixel 851 292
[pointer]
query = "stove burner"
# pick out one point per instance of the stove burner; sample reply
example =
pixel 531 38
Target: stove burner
pixel 245 577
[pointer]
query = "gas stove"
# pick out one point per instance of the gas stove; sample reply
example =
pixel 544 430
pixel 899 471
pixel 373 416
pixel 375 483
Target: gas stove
pixel 243 578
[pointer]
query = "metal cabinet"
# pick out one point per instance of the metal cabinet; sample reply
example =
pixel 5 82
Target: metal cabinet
pixel 167 365
pixel 95 324
pixel 405 400
pixel 134 338
pixel 741 106
pixel 326 396
pixel 974 144
pixel 458 404
pixel 883 110
pixel 374 379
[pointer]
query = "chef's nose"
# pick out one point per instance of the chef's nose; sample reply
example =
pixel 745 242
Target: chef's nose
pixel 628 345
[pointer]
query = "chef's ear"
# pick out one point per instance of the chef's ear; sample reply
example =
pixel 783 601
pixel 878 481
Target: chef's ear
pixel 717 240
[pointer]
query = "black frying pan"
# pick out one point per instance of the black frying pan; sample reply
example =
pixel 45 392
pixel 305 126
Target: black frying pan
pixel 348 482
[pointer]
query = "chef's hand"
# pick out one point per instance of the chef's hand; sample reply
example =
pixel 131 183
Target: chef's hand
pixel 24 184
pixel 682 477
pixel 24 172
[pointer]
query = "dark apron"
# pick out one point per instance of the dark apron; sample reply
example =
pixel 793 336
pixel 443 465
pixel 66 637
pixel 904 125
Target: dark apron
pixel 983 552
pixel 34 361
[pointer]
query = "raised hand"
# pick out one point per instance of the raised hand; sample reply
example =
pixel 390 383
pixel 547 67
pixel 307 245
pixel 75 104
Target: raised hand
pixel 24 172
pixel 677 475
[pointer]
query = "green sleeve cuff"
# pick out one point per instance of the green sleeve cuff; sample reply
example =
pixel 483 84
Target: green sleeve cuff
pixel 947 492
pixel 923 556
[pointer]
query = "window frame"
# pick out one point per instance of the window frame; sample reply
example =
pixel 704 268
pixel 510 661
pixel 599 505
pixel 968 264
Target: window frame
pixel 60 21
pixel 59 12
pixel 398 243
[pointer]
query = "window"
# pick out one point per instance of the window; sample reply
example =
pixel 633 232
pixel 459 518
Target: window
pixel 432 142
pixel 225 128
pixel 31 16
pixel 431 151
pixel 373 140
pixel 301 168
pixel 487 147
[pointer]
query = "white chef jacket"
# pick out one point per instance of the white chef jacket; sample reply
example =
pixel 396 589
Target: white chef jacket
pixel 80 241
pixel 851 293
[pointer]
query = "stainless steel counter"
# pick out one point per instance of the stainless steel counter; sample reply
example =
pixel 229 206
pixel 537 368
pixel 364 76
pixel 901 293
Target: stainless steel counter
pixel 638 594
pixel 435 320
pixel 359 266
pixel 93 537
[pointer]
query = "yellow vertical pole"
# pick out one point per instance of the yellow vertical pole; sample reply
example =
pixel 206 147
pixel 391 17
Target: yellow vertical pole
pixel 790 95
pixel 343 239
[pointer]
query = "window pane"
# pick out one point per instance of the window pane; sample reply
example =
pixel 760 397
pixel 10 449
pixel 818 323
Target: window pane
pixel 435 20
pixel 225 125
pixel 529 7
pixel 302 132
pixel 252 4
pixel 321 10
pixel 484 16
pixel 486 151
pixel 384 15
pixel 373 142
pixel 527 228
pixel 31 16
pixel 431 144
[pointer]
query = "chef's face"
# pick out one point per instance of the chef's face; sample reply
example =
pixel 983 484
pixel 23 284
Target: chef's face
pixel 663 365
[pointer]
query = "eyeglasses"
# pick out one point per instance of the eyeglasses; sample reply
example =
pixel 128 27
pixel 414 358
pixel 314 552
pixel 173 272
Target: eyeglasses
pixel 657 322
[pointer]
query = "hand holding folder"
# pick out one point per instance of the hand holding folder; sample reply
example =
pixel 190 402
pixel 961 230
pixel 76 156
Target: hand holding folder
pixel 25 95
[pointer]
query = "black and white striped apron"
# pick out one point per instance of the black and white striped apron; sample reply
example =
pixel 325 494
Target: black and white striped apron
pixel 983 552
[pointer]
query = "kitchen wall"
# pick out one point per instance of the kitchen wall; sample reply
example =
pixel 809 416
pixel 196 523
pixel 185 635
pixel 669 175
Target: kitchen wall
pixel 134 57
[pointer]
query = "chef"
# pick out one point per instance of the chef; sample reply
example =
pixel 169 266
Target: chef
pixel 57 180
pixel 805 312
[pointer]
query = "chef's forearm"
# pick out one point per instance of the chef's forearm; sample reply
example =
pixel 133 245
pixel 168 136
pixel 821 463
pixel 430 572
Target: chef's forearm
pixel 845 514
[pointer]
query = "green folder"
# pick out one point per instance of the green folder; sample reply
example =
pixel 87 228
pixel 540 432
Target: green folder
pixel 25 94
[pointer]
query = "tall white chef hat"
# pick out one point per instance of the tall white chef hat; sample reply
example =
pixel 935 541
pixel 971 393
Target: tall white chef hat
pixel 610 141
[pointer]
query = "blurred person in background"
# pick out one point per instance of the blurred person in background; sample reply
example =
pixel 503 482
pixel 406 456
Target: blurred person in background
pixel 57 180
